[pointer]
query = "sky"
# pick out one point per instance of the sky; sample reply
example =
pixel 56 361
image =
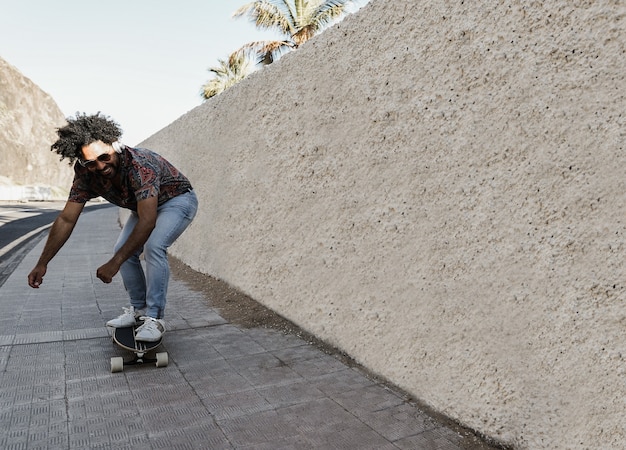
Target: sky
pixel 140 62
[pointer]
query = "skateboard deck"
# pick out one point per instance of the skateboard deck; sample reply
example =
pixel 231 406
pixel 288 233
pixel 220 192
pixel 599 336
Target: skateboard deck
pixel 125 338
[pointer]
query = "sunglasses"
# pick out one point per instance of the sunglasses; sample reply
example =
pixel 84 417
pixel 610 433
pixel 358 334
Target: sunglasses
pixel 91 163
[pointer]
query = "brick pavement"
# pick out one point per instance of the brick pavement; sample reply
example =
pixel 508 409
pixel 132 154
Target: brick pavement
pixel 226 387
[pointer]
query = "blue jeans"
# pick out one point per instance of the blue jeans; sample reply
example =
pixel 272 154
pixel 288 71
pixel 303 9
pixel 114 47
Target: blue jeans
pixel 149 289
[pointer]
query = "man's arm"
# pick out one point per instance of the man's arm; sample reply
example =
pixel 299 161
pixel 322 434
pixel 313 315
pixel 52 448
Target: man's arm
pixel 147 214
pixel 59 234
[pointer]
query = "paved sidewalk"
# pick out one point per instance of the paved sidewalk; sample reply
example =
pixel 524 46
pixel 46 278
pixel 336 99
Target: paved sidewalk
pixel 226 387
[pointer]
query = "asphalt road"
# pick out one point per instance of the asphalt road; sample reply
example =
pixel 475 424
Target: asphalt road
pixel 22 225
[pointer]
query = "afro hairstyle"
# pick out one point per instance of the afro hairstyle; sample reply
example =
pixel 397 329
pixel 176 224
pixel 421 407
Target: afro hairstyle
pixel 83 130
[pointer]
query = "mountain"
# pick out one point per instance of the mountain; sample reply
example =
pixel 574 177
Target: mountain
pixel 28 121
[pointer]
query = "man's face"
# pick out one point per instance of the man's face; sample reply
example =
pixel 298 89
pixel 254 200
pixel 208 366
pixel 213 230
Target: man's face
pixel 101 159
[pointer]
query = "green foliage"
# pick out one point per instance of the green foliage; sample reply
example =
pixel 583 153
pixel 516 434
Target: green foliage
pixel 296 21
pixel 239 65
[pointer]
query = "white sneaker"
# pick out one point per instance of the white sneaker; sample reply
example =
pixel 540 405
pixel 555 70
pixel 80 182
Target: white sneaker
pixel 151 330
pixel 126 319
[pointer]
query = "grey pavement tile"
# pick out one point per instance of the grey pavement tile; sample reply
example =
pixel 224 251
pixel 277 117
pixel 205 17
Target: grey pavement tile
pixel 191 347
pixel 231 342
pixel 439 438
pixel 368 399
pixel 317 424
pixel 209 370
pixel 34 337
pixel 83 334
pixel 272 340
pixel 256 429
pixel 205 436
pixel 349 437
pixel 226 387
pixel 237 404
pixel 174 322
pixel 7 339
pixel 264 369
pixel 173 395
pixel 300 442
pixel 172 417
pixel 399 421
pixel 308 363
pixel 317 414
pixel 283 395
pixel 342 381
pixel 4 354
pixel 221 384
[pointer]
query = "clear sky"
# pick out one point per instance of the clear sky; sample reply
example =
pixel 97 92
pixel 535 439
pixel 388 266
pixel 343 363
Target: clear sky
pixel 141 62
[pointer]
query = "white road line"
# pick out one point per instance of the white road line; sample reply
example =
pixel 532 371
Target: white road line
pixel 7 248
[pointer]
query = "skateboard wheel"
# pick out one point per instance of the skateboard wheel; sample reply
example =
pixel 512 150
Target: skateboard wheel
pixel 117 364
pixel 162 359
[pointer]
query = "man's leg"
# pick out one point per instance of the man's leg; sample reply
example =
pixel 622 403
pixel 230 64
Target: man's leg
pixel 134 280
pixel 131 270
pixel 173 217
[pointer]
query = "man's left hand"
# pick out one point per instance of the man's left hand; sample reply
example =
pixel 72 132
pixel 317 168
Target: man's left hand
pixel 107 271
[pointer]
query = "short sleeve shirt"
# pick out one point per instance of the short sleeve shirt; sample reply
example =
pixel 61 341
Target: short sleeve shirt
pixel 144 174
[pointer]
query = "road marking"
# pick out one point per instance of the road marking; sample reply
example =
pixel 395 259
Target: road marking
pixel 7 248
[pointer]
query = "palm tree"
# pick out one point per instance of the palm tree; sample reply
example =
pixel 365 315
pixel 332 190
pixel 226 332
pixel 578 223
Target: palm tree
pixel 239 65
pixel 296 20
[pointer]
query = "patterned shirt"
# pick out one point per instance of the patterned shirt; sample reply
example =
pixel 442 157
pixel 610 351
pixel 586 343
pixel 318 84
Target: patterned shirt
pixel 144 174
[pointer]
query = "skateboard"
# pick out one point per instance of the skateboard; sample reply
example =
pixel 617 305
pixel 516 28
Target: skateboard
pixel 125 338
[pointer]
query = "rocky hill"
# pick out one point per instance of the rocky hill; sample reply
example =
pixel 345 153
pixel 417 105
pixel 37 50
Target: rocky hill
pixel 28 120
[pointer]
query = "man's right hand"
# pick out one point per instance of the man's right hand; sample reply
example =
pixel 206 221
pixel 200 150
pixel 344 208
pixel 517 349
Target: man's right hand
pixel 59 233
pixel 35 277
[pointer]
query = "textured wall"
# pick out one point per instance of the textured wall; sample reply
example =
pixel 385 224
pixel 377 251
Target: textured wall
pixel 437 188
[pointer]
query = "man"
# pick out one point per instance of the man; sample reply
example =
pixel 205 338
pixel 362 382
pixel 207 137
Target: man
pixel 162 205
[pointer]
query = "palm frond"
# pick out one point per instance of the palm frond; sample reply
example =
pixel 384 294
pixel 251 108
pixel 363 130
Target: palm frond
pixel 230 71
pixel 269 51
pixel 330 11
pixel 299 20
pixel 266 14
pixel 304 34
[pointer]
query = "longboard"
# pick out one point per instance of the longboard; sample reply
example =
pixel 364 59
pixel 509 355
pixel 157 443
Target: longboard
pixel 125 338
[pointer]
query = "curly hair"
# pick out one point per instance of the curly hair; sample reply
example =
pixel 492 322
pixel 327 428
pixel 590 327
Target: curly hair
pixel 83 130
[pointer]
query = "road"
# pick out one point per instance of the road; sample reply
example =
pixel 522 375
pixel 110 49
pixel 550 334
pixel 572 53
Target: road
pixel 21 227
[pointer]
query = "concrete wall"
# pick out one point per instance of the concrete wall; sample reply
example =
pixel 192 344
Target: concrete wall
pixel 438 189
